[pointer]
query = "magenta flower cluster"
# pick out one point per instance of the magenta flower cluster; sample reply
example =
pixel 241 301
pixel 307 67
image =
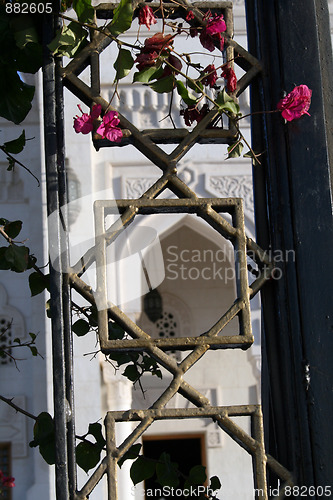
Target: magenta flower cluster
pixel 108 129
pixel 296 103
pixel 6 481
pixel 146 16
pixel 211 33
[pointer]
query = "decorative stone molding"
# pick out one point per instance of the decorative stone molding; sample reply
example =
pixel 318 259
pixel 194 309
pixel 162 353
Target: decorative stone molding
pixel 214 439
pixel 134 187
pixel 232 186
pixel 13 427
pixel 153 393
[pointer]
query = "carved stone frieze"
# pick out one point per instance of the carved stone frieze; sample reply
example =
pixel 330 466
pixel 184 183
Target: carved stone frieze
pixel 134 187
pixel 232 186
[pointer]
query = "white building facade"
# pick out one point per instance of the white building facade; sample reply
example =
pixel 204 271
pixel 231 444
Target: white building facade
pixel 196 288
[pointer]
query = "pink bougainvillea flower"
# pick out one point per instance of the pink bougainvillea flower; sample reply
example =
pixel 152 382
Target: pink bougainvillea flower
pixel 176 63
pixel 230 76
pixel 296 103
pixel 108 128
pixel 146 16
pixel 145 60
pixel 193 32
pixel 158 42
pixel 211 76
pixel 84 123
pixel 154 47
pixel 192 114
pixel 189 16
pixel 8 482
pixel 215 25
pixel 211 33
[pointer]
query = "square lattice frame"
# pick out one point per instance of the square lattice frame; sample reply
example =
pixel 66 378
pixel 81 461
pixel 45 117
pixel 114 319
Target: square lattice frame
pixel 208 209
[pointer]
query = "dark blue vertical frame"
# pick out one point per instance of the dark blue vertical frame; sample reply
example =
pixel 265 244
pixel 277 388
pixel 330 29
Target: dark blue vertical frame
pixel 293 204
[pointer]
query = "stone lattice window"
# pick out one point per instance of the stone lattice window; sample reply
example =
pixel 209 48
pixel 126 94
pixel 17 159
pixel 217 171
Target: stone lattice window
pixel 167 326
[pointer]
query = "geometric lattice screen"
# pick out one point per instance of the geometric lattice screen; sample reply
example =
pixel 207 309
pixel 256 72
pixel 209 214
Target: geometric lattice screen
pixel 225 216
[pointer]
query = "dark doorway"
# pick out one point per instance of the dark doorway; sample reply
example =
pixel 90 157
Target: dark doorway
pixel 186 450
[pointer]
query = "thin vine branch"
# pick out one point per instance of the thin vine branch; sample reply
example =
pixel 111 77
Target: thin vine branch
pixel 13 159
pixel 9 402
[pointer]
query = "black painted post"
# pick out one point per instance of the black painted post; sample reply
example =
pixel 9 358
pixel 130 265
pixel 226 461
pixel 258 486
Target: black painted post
pixel 293 199
pixel 59 285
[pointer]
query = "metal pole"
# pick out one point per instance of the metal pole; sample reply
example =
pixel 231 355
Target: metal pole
pixel 54 160
pixel 294 214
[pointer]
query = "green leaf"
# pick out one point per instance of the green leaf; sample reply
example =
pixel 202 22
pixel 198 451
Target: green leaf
pixel 230 106
pixel 87 455
pixel 18 258
pixel 69 40
pixel 215 483
pixel 167 471
pixel 24 30
pixel 122 18
pixel 13 229
pixel 120 357
pixel 33 336
pixel 16 96
pixel 166 84
pixel 131 454
pixel 197 86
pixel 145 75
pixel 223 97
pixel 33 350
pixel 115 331
pixel 235 150
pixel 93 316
pixel 30 58
pixel 142 469
pixel 11 164
pixel 16 146
pixel 95 430
pixel 187 97
pixel 32 261
pixel 226 103
pixel 44 437
pixel 251 154
pixel 197 475
pixel 4 264
pixel 123 64
pixel 38 283
pixel 131 372
pixel 148 362
pixel 84 10
pixel 81 327
pixel 158 373
pixel 66 4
